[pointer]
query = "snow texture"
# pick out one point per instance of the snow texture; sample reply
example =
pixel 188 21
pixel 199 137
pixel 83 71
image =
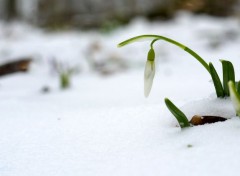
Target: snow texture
pixel 103 125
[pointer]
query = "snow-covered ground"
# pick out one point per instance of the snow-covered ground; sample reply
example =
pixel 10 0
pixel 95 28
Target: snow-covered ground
pixel 103 125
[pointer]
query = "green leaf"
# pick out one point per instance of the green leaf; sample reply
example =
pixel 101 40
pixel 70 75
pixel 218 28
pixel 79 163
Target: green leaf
pixel 179 115
pixel 237 84
pixel 64 80
pixel 216 81
pixel 228 75
pixel 235 97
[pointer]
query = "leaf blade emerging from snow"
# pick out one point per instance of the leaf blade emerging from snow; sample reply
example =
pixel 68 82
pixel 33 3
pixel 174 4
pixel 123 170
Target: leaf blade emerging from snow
pixel 178 114
pixel 228 75
pixel 216 81
pixel 238 87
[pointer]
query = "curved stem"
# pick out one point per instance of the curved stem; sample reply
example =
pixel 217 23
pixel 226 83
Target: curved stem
pixel 158 37
pixel 151 45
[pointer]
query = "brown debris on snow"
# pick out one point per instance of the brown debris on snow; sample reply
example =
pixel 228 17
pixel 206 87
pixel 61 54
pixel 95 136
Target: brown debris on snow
pixel 21 65
pixel 201 120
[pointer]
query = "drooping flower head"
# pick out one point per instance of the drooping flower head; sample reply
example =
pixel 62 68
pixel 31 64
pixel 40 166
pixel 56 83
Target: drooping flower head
pixel 149 72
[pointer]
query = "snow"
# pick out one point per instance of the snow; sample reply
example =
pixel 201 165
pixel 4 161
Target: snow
pixel 103 125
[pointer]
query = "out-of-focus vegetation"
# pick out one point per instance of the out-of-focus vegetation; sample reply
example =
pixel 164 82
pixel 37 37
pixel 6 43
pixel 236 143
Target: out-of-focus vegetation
pixel 105 14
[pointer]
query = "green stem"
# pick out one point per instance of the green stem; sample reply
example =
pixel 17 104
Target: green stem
pixel 151 45
pixel 158 37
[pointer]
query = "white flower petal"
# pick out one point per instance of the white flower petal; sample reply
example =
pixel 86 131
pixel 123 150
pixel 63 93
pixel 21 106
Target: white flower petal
pixel 148 76
pixel 234 97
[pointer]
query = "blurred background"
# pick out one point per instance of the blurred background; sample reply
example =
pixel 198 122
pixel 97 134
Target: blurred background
pixel 100 13
pixel 69 37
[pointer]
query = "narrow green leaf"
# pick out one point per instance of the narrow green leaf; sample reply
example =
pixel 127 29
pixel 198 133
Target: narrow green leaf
pixel 228 75
pixel 238 86
pixel 64 80
pixel 179 115
pixel 216 81
pixel 235 97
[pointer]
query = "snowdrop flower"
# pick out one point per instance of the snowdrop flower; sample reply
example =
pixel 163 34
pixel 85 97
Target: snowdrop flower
pixel 149 72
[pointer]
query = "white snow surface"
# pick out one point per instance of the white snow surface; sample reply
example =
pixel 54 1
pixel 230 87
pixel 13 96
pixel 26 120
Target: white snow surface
pixel 103 125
